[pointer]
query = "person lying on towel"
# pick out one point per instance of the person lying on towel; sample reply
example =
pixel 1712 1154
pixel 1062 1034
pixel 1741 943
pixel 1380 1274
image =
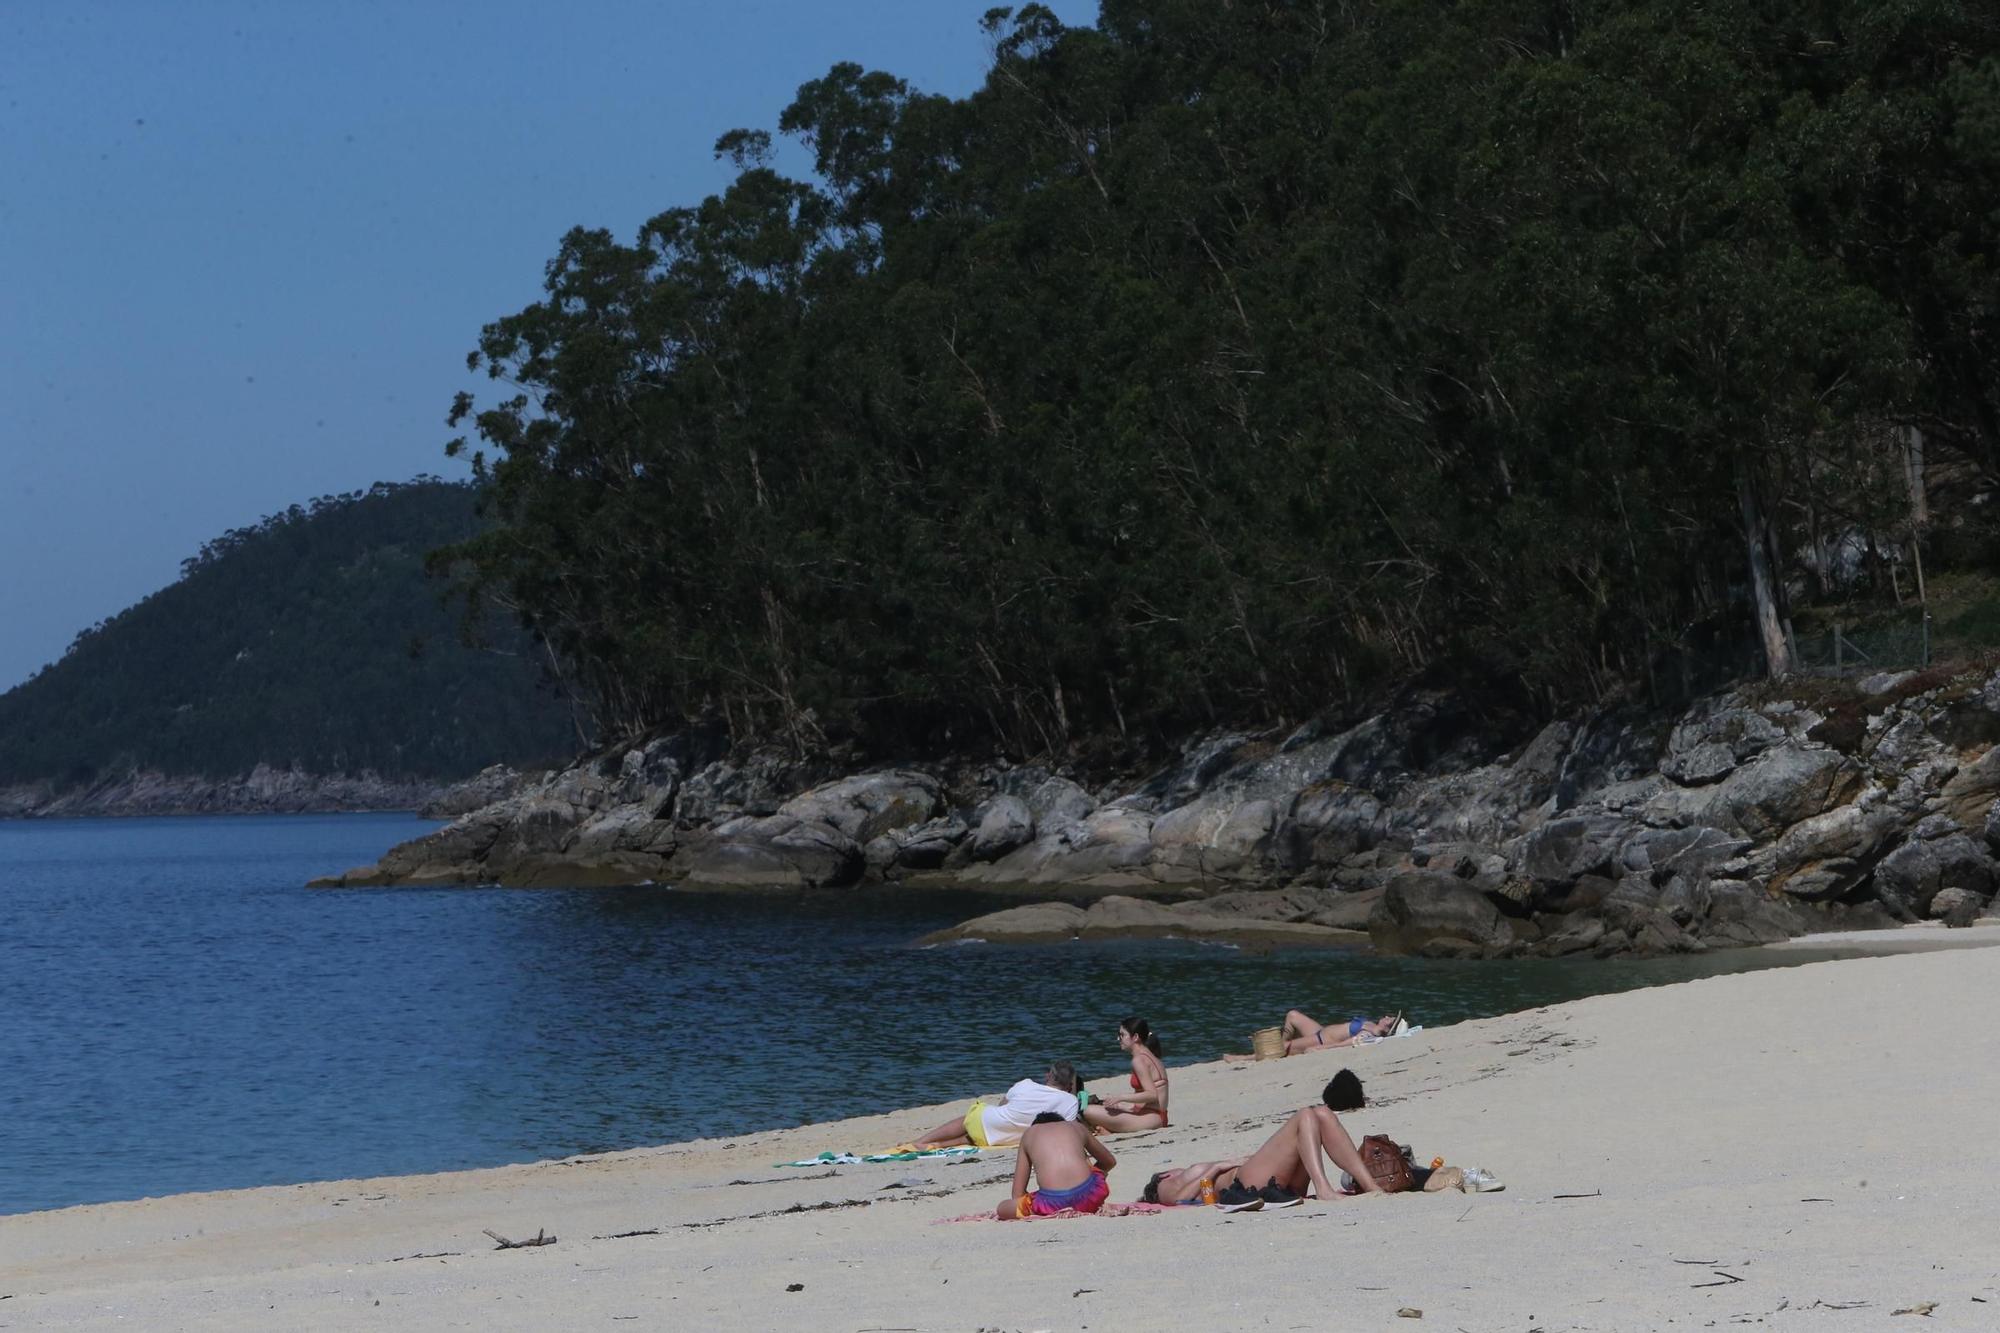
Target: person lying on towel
pixel 1277 1174
pixel 1068 1163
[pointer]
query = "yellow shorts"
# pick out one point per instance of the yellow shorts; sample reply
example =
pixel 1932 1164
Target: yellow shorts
pixel 975 1125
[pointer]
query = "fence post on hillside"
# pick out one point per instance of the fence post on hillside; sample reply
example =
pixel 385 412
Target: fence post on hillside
pixel 1927 636
pixel 1836 648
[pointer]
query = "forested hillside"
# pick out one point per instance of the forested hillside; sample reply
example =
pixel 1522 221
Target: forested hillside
pixel 312 639
pixel 1235 360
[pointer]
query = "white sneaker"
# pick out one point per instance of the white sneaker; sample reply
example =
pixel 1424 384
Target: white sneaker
pixel 1478 1180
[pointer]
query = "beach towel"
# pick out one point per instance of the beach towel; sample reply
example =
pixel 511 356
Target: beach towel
pixel 1108 1210
pixel 893 1155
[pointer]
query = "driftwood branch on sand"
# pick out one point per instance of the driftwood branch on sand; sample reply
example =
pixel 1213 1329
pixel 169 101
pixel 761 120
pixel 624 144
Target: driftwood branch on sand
pixel 540 1238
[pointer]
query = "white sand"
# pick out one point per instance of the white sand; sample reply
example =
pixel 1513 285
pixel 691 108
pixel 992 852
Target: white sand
pixel 1824 1133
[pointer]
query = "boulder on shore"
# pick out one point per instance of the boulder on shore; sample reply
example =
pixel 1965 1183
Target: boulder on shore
pixel 1118 917
pixel 1437 916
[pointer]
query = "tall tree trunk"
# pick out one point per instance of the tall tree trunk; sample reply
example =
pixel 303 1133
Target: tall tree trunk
pixel 1920 508
pixel 1913 467
pixel 1763 587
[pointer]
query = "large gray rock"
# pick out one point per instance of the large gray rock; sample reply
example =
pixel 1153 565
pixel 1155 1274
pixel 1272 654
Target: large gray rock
pixel 1767 795
pixel 1740 915
pixel 1576 933
pixel 1677 851
pixel 1349 910
pixel 1963 864
pixel 1113 843
pixel 1056 803
pixel 1118 917
pixel 1562 850
pixel 924 846
pixel 777 850
pixel 868 805
pixel 752 784
pixel 1483 867
pixel 1907 879
pixel 1290 904
pixel 1004 824
pixel 1437 916
pixel 1652 934
pixel 1325 823
pixel 1215 836
pixel 1957 907
pixel 1036 922
pixel 622 828
pixel 1686 898
pixel 1488 804
pixel 1715 738
pixel 1821 858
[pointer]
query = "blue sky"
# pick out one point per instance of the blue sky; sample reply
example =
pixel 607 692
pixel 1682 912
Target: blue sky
pixel 245 246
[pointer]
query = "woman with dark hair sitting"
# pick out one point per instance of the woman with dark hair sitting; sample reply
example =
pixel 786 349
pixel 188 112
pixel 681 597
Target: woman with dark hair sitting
pixel 1146 1108
pixel 1276 1175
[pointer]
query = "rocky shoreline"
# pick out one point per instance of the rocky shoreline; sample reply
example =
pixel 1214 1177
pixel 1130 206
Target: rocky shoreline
pixel 264 790
pixel 1758 814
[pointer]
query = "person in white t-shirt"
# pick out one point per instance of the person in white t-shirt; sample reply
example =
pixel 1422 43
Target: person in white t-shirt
pixel 999 1121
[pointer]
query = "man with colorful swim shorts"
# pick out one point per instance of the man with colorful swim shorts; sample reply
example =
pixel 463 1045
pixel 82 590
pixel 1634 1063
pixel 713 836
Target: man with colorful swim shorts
pixel 1068 1163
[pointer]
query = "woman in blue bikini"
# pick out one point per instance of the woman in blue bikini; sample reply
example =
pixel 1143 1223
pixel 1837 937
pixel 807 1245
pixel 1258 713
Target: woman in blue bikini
pixel 1305 1033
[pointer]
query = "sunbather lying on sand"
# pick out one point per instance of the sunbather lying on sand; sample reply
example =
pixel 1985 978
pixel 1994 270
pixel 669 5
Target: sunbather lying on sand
pixel 1305 1033
pixel 1146 1108
pixel 1069 1165
pixel 1279 1172
pixel 1000 1122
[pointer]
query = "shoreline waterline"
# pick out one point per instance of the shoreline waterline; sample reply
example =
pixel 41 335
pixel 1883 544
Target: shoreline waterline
pixel 1835 946
pixel 1633 1136
pixel 184 1018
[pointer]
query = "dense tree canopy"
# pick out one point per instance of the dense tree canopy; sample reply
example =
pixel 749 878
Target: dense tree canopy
pixel 1232 359
pixel 312 638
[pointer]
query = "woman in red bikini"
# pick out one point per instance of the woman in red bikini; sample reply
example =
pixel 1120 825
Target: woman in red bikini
pixel 1146 1108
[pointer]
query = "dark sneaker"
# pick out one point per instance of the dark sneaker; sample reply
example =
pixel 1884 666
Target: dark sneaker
pixel 1235 1198
pixel 1275 1195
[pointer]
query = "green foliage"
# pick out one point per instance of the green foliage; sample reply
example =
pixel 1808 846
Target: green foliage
pixel 311 638
pixel 1228 361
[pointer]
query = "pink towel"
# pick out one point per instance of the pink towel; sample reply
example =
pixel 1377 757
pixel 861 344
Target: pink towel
pixel 1108 1210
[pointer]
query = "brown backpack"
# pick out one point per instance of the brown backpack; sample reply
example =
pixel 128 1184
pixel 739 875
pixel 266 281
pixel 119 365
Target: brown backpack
pixel 1386 1163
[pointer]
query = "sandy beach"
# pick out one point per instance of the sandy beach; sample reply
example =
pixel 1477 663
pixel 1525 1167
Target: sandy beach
pixel 1803 1147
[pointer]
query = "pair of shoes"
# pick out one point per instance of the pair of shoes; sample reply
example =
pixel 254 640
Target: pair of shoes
pixel 1275 1195
pixel 1235 1198
pixel 1478 1180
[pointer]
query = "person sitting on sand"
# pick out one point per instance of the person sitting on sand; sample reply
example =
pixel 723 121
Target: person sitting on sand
pixel 1001 1121
pixel 1061 1153
pixel 1146 1108
pixel 1276 1175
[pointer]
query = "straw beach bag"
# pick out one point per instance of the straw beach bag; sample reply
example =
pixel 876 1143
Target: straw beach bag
pixel 1268 1043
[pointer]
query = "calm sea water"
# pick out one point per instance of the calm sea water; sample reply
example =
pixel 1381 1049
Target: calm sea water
pixel 178 1013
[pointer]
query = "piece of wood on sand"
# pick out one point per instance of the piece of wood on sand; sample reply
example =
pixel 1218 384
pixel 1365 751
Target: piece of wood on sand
pixel 540 1238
